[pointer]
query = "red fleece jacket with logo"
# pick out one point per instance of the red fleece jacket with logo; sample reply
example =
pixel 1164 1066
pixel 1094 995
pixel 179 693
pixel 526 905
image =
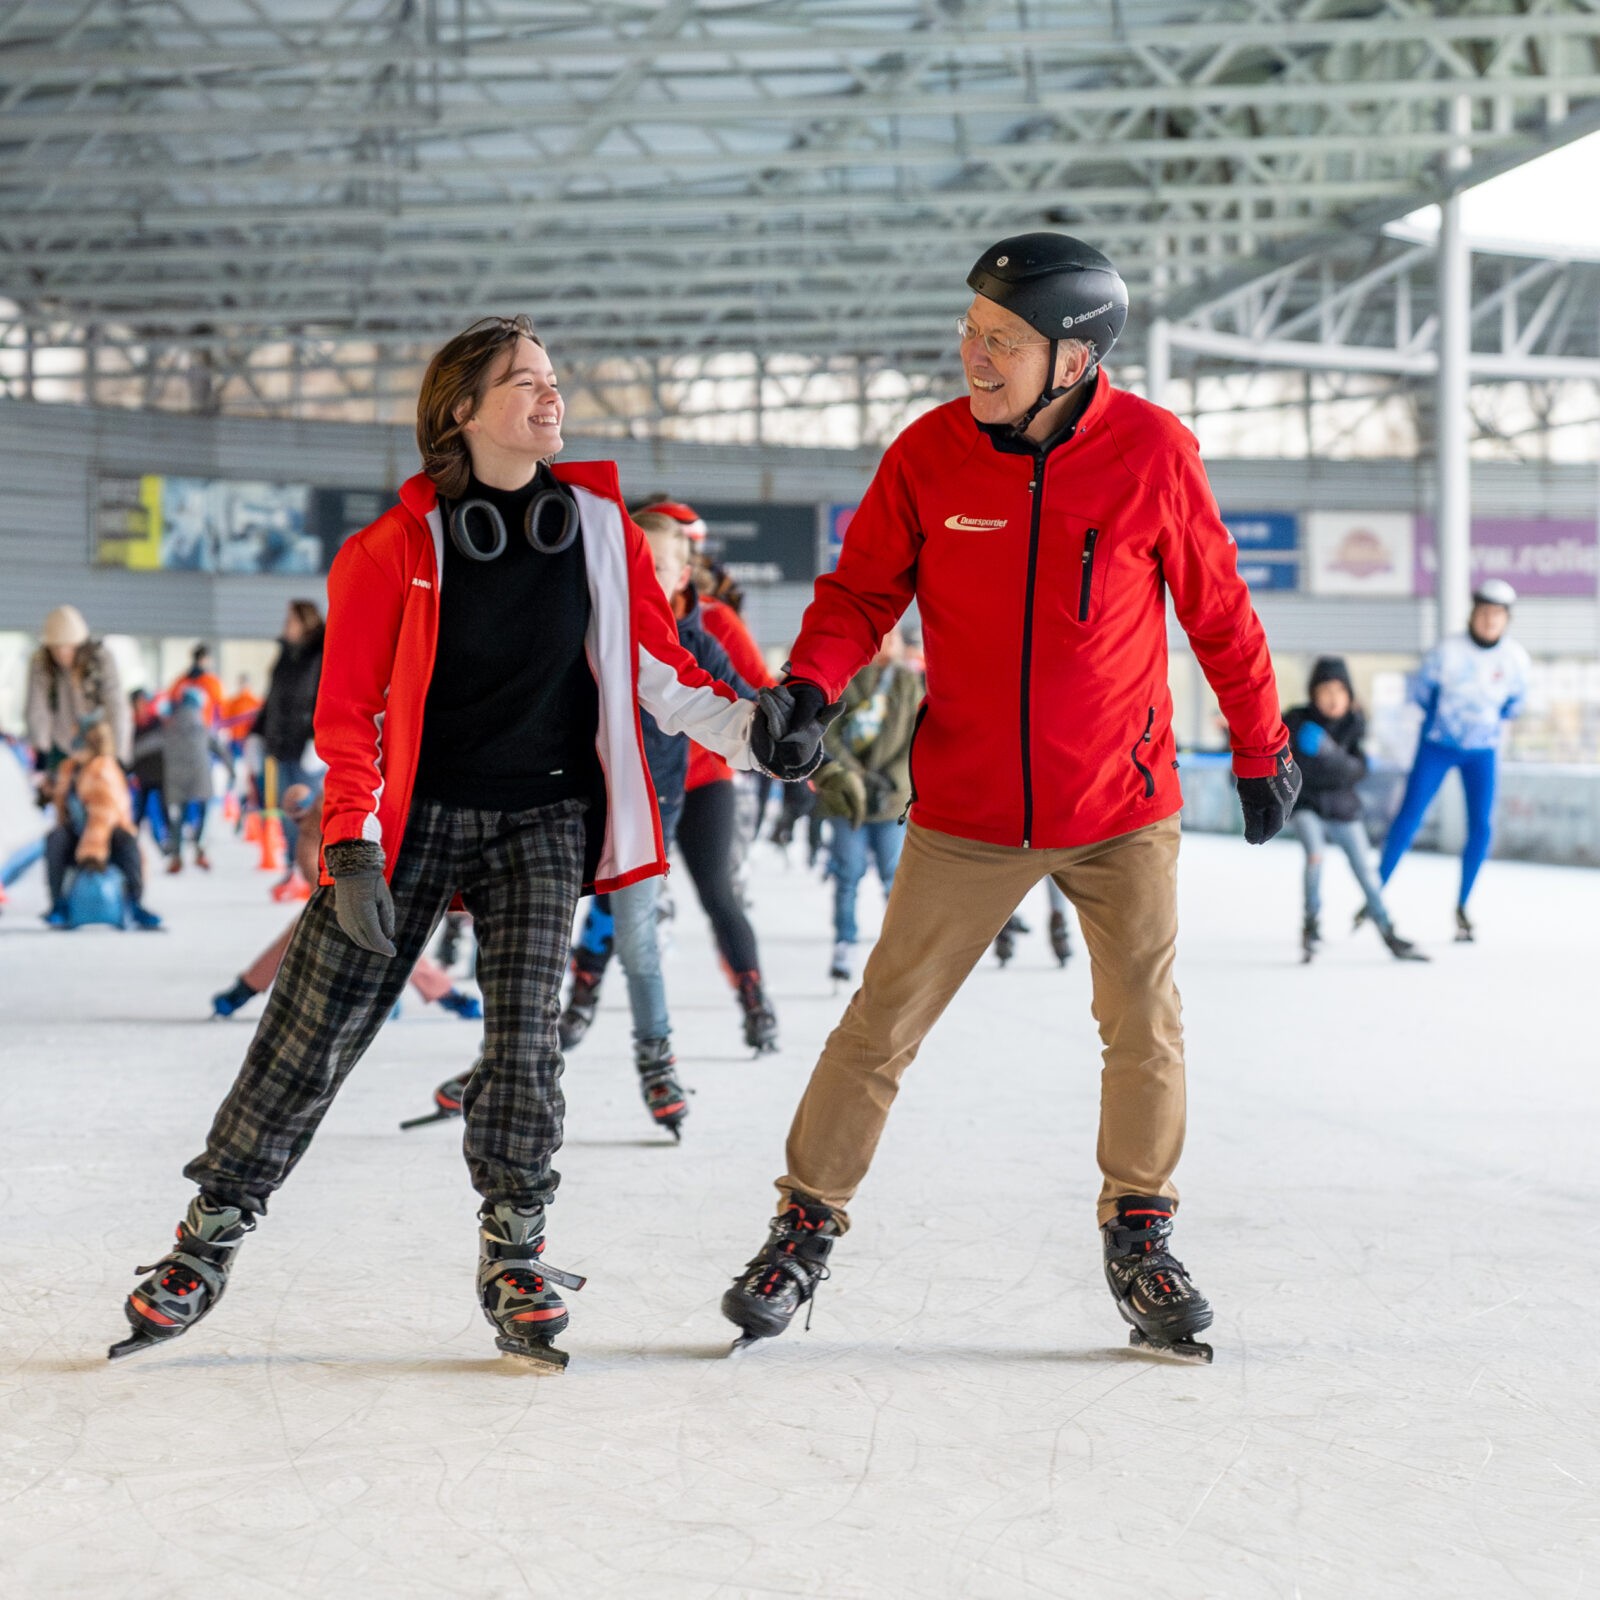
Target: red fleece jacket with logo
pixel 1047 720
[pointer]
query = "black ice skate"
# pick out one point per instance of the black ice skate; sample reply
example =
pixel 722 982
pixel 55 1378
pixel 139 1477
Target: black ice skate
pixel 1153 1292
pixel 1400 949
pixel 1005 942
pixel 514 1286
pixel 1465 932
pixel 446 1103
pixel 186 1283
pixel 1310 938
pixel 760 1021
pixel 665 1098
pixel 783 1275
pixel 582 1003
pixel 1060 938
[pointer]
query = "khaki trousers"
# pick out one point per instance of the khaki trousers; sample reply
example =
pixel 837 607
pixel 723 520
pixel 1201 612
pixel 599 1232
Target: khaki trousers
pixel 950 898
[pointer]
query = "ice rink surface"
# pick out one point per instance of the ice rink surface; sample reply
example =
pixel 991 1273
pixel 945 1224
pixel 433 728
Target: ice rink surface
pixel 1390 1197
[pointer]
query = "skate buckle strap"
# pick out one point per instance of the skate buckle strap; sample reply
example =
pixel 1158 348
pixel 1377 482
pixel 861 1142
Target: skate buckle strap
pixel 499 1255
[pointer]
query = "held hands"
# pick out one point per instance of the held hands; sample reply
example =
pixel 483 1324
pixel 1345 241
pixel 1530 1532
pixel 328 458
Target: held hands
pixel 1268 802
pixel 361 899
pixel 786 733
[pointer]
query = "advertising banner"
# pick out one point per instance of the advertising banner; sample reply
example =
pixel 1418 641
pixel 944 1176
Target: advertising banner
pixel 1367 553
pixel 155 523
pixel 1269 547
pixel 762 544
pixel 1542 556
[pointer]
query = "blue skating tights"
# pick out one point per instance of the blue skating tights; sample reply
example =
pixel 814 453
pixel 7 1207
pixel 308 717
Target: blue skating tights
pixel 1479 769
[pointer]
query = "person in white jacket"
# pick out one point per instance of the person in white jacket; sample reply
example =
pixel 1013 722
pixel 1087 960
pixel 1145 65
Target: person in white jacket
pixel 1469 687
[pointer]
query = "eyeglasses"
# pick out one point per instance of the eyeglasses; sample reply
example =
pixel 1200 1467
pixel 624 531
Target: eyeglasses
pixel 992 342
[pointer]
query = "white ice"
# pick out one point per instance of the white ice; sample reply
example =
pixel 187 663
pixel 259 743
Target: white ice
pixel 1390 1193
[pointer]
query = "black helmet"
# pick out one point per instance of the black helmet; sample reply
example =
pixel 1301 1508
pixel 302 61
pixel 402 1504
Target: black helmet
pixel 1058 285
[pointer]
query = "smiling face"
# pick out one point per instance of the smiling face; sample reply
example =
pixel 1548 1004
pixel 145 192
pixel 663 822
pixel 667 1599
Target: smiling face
pixel 517 423
pixel 1003 383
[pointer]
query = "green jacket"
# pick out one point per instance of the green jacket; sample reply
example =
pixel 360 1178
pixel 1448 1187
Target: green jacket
pixel 872 735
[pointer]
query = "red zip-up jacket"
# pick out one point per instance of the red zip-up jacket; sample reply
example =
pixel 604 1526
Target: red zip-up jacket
pixel 383 626
pixel 727 627
pixel 1047 720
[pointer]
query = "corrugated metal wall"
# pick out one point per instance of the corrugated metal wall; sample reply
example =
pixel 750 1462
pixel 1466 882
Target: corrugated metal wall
pixel 51 455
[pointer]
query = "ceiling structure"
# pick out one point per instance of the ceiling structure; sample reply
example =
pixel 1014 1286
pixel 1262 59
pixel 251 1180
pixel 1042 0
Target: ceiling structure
pixel 282 205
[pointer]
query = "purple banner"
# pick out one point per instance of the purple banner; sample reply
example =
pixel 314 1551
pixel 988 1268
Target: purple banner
pixel 1536 555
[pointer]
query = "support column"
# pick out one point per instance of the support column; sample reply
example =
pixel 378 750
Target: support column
pixel 1158 362
pixel 1452 427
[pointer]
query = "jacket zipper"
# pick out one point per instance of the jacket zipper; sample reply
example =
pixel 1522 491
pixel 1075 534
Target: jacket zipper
pixel 1090 539
pixel 1036 490
pixel 911 759
pixel 1144 771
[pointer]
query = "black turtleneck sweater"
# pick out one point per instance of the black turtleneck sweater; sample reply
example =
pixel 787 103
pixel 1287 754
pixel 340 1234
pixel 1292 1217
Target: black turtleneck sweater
pixel 512 707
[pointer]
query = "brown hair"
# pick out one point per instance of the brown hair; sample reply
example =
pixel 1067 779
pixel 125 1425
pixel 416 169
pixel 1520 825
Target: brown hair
pixel 98 740
pixel 460 371
pixel 307 614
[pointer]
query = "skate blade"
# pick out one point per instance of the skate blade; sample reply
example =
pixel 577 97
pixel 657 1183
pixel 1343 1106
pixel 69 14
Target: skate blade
pixel 432 1116
pixel 1186 1350
pixel 535 1356
pixel 135 1342
pixel 743 1343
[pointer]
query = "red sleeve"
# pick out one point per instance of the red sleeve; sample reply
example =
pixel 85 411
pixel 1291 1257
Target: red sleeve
pixel 731 633
pixel 365 603
pixel 857 604
pixel 1200 563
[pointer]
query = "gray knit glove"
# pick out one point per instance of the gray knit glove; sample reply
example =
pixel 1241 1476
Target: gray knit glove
pixel 361 899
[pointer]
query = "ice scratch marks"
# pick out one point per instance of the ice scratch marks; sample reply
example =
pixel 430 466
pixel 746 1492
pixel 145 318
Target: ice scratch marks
pixel 1200 1503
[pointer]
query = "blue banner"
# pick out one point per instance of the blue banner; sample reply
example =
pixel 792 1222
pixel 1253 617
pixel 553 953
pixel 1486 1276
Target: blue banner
pixel 1263 530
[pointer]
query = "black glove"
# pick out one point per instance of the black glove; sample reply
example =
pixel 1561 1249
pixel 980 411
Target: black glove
pixel 1268 802
pixel 786 734
pixel 361 899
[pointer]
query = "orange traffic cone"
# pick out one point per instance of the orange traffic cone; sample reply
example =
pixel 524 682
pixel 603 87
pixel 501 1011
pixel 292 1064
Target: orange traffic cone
pixel 271 843
pixel 230 808
pixel 252 827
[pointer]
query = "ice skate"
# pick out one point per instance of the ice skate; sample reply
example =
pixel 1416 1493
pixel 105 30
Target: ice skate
pixel 783 1275
pixel 1005 942
pixel 760 1021
pixel 1400 949
pixel 186 1283
pixel 1060 938
pixel 230 1000
pixel 446 1104
pixel 582 1002
pixel 665 1098
pixel 466 1006
pixel 514 1286
pixel 1153 1292
pixel 1465 932
pixel 839 971
pixel 1310 938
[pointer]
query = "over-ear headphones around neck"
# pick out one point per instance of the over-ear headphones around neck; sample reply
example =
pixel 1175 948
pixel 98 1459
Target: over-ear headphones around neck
pixel 550 525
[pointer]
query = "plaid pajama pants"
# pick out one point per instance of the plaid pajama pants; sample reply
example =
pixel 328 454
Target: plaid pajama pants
pixel 519 873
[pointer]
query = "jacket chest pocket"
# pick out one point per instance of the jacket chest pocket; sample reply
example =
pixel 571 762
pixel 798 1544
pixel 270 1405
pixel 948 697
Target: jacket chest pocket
pixel 1086 570
pixel 1079 560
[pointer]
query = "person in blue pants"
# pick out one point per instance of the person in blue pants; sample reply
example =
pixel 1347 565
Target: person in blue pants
pixel 865 786
pixel 1469 687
